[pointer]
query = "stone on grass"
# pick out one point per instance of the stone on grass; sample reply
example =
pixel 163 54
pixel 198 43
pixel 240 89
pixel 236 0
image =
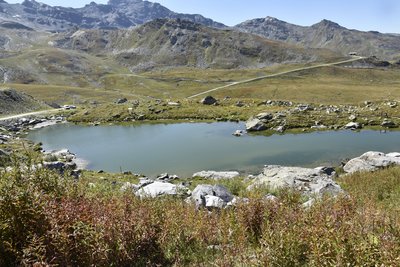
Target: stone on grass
pixel 306 181
pixel 208 100
pixel 216 175
pixel 157 189
pixel 203 190
pixel 353 126
pixel 372 161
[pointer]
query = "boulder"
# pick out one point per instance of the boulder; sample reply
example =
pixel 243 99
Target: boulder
pixel 280 129
pixel 265 116
pixel 56 165
pixel 353 126
pixel 305 180
pixel 330 171
pixel 157 189
pixel 388 123
pixel 254 124
pixel 214 202
pixel 304 107
pixel 201 191
pixel 208 100
pixel 121 101
pixel 371 161
pixel 216 175
pixel 165 177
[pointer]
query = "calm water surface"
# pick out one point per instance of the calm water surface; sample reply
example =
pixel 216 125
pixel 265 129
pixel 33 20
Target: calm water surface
pixel 185 148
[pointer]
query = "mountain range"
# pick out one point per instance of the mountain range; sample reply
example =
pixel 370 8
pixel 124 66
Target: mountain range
pixel 40 43
pixel 122 14
pixel 114 15
pixel 326 34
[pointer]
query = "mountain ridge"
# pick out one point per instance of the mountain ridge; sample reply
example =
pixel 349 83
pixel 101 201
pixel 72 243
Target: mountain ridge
pixel 115 14
pixel 326 34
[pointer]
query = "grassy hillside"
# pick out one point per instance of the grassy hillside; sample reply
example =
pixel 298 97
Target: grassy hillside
pixel 173 43
pixel 326 85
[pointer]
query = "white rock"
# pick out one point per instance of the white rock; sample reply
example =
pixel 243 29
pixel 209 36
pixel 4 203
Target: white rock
pixel 159 189
pixel 352 126
pixel 371 161
pixel 214 202
pixel 216 175
pixel 305 180
pixel 254 125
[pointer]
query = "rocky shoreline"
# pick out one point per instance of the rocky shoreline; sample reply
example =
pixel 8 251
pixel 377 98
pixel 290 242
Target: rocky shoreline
pixel 313 183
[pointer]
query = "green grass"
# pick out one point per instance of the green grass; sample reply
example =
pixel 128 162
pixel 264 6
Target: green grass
pixel 328 85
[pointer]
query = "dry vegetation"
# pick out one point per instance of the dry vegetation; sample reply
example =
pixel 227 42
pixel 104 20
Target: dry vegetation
pixel 47 219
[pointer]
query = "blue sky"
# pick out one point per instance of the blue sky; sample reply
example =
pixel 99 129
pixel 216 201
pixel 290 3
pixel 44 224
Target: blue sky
pixel 379 15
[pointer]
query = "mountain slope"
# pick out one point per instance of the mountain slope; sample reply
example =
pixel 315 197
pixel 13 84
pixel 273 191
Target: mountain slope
pixel 115 14
pixel 14 102
pixel 326 34
pixel 169 43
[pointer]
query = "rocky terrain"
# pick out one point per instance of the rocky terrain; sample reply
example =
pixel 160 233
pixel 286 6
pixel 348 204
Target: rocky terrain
pixel 116 14
pixel 166 43
pixel 13 102
pixel 326 34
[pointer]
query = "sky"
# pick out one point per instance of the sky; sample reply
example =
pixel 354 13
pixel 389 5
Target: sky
pixel 366 15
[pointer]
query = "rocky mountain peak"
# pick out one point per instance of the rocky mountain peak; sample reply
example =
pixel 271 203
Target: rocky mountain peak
pixel 271 19
pixel 123 2
pixel 327 24
pixel 31 3
pixel 115 14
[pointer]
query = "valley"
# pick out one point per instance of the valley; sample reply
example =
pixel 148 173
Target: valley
pixel 133 135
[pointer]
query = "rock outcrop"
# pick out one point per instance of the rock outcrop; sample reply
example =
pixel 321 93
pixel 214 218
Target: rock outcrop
pixel 371 161
pixel 307 181
pixel 254 125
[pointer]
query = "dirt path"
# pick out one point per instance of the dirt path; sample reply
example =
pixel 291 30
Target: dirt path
pixel 274 75
pixel 42 112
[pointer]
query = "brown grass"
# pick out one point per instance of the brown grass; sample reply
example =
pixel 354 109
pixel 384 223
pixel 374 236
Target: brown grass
pixel 46 219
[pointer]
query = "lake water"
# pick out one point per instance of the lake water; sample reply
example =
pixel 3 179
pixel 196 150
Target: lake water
pixel 185 148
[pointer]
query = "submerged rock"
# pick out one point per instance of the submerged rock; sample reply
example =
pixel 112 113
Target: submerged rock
pixel 371 161
pixel 305 180
pixel 238 133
